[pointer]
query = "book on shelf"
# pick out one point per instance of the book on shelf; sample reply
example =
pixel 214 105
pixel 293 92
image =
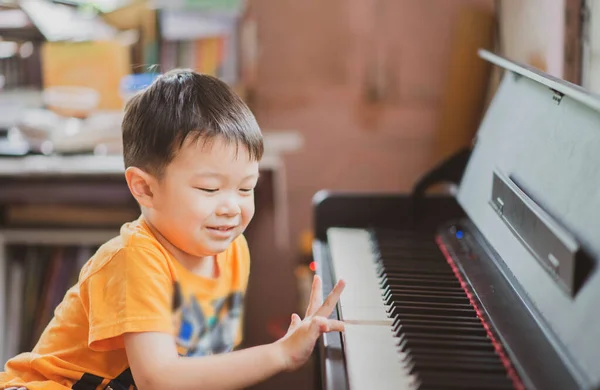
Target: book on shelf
pixel 203 40
pixel 38 279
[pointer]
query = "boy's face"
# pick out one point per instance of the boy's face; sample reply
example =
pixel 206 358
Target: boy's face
pixel 205 198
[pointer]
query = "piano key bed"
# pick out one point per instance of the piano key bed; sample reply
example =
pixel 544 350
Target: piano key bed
pixel 412 322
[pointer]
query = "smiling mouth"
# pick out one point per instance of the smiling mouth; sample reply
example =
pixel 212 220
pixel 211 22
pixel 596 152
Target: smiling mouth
pixel 221 228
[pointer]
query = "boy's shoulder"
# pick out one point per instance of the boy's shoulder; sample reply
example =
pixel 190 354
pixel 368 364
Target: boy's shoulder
pixel 134 240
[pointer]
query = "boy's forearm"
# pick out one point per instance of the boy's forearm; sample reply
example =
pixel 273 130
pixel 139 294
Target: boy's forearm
pixel 228 371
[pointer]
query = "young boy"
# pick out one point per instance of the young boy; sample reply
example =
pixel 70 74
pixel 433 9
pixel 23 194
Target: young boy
pixel 158 306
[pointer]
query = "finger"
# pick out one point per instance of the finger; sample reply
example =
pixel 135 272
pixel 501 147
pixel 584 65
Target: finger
pixel 335 326
pixel 316 296
pixel 296 320
pixel 318 325
pixel 331 300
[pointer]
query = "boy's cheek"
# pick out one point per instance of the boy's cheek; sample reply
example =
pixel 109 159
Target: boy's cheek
pixel 248 213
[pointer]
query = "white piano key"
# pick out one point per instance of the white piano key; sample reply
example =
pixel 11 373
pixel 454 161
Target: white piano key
pixel 372 359
pixel 365 314
pixel 353 260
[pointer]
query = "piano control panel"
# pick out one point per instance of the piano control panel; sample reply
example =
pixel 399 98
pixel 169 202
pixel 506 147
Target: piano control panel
pixel 553 246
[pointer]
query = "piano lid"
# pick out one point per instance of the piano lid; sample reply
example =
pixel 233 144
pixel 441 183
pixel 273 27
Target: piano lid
pixel 532 187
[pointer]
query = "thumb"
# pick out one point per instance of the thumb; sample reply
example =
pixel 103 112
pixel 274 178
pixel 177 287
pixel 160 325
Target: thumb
pixel 296 319
pixel 295 322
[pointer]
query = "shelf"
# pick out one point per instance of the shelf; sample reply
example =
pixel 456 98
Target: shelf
pixel 57 236
pixel 276 144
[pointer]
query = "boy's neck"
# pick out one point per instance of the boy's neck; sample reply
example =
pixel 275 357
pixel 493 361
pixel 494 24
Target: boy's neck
pixel 202 266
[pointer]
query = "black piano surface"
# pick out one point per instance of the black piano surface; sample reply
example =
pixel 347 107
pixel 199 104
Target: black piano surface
pixel 536 311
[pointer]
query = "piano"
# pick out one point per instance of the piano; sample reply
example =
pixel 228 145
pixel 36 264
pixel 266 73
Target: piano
pixel 491 285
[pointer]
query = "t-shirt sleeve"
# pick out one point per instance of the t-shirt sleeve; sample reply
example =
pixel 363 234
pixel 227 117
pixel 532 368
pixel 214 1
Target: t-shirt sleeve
pixel 131 293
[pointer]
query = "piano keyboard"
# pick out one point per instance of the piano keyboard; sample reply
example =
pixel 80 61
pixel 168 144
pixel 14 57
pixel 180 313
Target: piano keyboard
pixel 410 322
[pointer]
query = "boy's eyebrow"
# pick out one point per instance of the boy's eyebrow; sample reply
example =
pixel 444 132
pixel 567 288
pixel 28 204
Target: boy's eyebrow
pixel 220 175
pixel 209 174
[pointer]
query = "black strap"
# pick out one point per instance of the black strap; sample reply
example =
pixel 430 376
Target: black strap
pixel 177 298
pixel 123 382
pixel 91 382
pixel 87 382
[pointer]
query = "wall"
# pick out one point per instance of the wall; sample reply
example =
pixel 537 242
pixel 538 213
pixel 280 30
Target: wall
pixel 533 33
pixel 314 64
pixel 592 65
pixel 317 75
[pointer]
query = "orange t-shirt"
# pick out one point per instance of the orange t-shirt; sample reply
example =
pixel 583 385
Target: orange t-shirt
pixel 132 284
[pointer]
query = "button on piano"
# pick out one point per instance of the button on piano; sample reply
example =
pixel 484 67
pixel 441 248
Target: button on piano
pixel 492 287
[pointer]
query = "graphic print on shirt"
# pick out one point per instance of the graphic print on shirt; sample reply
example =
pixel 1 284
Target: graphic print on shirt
pixel 201 333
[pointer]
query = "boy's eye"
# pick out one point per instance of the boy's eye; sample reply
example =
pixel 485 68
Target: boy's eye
pixel 246 189
pixel 208 189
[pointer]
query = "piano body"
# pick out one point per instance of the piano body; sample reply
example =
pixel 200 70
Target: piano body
pixel 492 287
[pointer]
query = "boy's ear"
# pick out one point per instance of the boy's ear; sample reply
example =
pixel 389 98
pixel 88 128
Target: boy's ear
pixel 140 184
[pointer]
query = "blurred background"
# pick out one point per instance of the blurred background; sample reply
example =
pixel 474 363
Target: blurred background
pixel 352 95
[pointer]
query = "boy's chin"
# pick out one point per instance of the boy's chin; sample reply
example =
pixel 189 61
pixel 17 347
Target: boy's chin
pixel 215 247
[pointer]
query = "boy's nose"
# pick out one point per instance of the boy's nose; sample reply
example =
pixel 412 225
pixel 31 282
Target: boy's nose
pixel 230 207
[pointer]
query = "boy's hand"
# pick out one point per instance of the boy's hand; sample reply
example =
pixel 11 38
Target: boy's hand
pixel 298 343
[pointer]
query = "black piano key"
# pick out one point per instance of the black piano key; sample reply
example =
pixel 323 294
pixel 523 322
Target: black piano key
pixel 448 353
pixel 431 269
pixel 456 330
pixel 443 336
pixel 399 310
pixel 430 304
pixel 416 287
pixel 489 359
pixel 399 254
pixel 408 260
pixel 422 366
pixel 457 380
pixel 423 280
pixel 421 287
pixel 393 289
pixel 439 335
pixel 429 297
pixel 469 317
pixel 386 243
pixel 402 243
pixel 440 322
pixel 401 296
pixel 416 343
pixel 434 295
pixel 455 339
pixel 389 296
pixel 413 269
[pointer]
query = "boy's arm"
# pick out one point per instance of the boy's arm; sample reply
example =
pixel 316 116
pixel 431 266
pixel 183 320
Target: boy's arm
pixel 155 363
